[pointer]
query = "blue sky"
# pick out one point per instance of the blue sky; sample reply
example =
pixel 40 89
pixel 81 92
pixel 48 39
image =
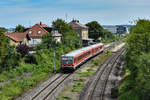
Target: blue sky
pixel 106 12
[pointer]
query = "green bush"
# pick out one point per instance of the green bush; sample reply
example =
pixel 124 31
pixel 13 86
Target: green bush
pixel 136 84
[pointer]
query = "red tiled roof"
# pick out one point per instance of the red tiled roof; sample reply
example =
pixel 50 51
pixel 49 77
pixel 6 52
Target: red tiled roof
pixel 43 25
pixel 39 27
pixel 35 29
pixel 18 37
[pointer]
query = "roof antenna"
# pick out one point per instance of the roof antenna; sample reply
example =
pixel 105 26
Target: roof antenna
pixel 66 16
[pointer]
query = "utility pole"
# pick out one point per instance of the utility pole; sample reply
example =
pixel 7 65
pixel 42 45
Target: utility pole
pixel 53 54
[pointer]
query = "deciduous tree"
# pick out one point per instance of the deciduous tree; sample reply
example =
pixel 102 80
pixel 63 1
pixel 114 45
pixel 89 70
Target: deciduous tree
pixel 95 30
pixel 19 28
pixel 4 43
pixel 23 49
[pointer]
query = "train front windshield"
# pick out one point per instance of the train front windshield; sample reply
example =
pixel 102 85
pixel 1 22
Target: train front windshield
pixel 67 60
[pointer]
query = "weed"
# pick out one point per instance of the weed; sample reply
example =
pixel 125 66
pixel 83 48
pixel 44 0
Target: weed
pixel 85 74
pixel 81 79
pixel 66 97
pixel 89 69
pixel 77 87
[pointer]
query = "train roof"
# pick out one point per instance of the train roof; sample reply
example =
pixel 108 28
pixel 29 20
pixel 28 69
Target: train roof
pixel 75 52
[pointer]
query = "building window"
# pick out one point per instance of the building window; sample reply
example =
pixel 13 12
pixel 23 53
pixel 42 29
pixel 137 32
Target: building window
pixel 39 32
pixel 30 32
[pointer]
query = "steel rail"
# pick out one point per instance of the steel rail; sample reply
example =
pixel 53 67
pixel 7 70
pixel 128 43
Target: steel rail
pixel 47 86
pixel 111 60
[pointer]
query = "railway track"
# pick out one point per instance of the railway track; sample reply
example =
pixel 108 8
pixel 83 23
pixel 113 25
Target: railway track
pixel 96 90
pixel 47 91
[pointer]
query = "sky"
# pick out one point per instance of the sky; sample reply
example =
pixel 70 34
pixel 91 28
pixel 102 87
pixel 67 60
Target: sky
pixel 106 12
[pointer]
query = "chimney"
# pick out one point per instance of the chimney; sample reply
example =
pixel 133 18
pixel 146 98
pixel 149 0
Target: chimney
pixel 40 23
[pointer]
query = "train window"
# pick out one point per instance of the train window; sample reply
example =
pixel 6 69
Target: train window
pixel 79 57
pixel 82 56
pixel 85 54
pixel 92 50
pixel 67 60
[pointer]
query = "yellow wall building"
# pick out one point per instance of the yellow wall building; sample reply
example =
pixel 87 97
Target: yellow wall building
pixel 18 38
pixel 81 30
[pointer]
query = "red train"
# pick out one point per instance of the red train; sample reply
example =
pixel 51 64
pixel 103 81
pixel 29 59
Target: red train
pixel 75 58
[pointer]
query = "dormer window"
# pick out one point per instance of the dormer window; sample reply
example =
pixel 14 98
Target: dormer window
pixel 39 32
pixel 30 32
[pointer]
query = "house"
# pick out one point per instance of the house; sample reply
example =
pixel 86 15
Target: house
pixel 81 30
pixel 18 38
pixel 37 31
pixel 33 35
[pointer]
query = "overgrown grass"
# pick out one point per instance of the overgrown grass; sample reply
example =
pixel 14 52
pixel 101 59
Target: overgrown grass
pixel 17 87
pixel 66 97
pixel 78 86
pixel 18 71
pixel 85 74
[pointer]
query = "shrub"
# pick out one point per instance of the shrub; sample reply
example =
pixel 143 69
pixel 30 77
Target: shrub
pixel 23 49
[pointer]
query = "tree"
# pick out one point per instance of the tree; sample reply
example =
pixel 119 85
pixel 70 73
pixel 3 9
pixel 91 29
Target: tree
pixel 138 42
pixel 95 30
pixel 69 37
pixel 19 28
pixel 23 49
pixel 4 43
pixel 11 60
pixel 3 29
pixel 137 62
pixel 8 56
pixel 61 26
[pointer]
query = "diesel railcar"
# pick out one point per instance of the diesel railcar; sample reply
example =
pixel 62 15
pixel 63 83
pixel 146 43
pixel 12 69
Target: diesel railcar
pixel 75 58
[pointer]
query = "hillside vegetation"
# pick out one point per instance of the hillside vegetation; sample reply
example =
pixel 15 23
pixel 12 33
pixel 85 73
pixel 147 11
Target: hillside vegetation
pixel 136 85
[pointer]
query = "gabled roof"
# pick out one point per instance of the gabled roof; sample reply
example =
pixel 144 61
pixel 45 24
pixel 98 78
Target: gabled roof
pixel 43 25
pixel 76 24
pixel 17 37
pixel 44 30
pixel 38 27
